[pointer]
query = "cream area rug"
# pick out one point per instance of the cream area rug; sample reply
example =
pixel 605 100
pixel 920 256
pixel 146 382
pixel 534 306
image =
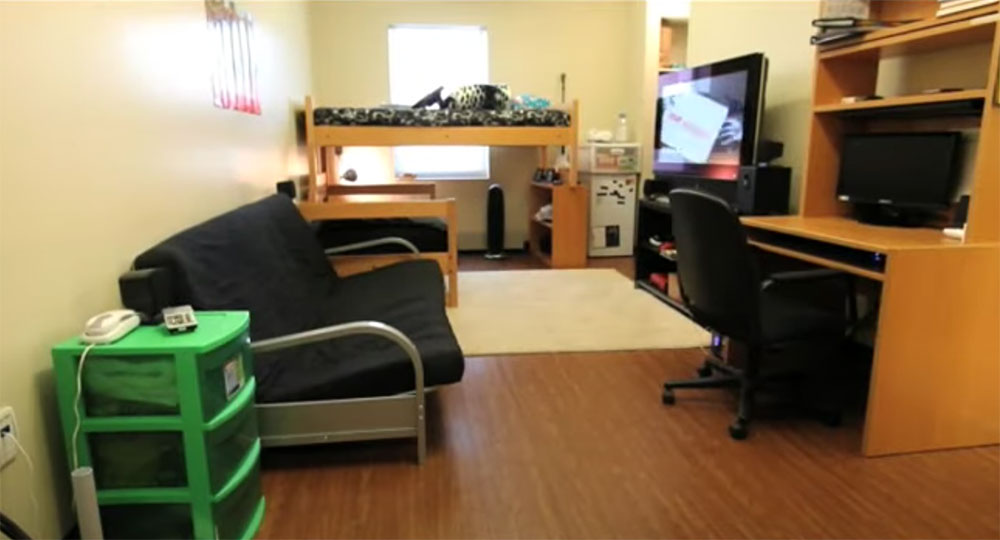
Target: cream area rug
pixel 534 311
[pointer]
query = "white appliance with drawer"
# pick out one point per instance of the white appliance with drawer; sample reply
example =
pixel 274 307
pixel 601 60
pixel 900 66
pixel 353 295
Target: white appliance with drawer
pixel 612 213
pixel 611 173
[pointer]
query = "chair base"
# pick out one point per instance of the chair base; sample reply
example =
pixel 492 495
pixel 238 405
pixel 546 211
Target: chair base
pixel 713 373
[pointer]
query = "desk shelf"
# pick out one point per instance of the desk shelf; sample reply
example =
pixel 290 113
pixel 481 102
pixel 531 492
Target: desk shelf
pixel 566 235
pixel 961 103
pixel 933 33
pixel 854 68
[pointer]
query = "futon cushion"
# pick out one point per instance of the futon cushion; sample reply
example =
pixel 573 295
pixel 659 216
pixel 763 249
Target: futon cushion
pixel 427 234
pixel 784 318
pixel 264 258
pixel 407 296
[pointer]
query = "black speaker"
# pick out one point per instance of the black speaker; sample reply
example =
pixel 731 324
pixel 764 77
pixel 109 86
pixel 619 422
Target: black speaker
pixel 494 222
pixel 146 291
pixel 286 187
pixel 763 190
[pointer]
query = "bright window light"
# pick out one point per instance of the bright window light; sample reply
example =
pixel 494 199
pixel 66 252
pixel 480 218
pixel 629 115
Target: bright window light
pixel 422 58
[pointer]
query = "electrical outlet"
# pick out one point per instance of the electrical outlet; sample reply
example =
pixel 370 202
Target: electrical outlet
pixel 8 450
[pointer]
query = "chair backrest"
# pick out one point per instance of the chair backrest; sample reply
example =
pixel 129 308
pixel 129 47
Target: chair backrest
pixel 719 279
pixel 262 257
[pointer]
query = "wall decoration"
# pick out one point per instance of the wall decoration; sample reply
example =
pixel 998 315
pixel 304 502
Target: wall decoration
pixel 234 65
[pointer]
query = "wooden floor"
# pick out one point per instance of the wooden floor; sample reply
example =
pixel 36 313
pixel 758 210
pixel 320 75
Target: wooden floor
pixel 579 446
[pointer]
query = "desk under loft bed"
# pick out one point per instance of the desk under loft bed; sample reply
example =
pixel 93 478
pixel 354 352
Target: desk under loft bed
pixel 561 243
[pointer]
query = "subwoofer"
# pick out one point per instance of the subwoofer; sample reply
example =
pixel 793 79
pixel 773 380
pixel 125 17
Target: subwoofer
pixel 494 222
pixel 763 190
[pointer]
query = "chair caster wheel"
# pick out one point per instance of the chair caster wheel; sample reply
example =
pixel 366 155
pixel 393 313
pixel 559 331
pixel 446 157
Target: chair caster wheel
pixel 739 430
pixel 668 396
pixel 705 371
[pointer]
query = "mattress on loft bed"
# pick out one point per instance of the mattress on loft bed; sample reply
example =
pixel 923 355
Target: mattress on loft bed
pixel 384 116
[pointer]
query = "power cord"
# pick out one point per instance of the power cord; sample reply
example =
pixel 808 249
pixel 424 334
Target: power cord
pixel 76 404
pixel 12 530
pixel 31 470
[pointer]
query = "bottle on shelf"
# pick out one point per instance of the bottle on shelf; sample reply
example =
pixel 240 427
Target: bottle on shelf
pixel 621 131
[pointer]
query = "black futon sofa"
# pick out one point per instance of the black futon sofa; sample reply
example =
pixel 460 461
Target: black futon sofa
pixel 383 335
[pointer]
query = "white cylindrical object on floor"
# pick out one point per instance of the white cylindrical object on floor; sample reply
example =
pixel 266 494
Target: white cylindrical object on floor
pixel 88 515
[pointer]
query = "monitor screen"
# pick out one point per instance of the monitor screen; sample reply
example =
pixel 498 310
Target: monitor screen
pixel 898 169
pixel 707 118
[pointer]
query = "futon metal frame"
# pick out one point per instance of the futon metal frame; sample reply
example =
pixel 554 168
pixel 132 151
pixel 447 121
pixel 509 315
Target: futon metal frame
pixel 356 419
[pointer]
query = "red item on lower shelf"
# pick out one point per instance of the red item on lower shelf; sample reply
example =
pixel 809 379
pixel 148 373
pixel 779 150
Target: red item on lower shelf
pixel 659 281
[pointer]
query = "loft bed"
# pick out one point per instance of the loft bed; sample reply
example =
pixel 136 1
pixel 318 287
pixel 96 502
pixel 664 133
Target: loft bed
pixel 329 129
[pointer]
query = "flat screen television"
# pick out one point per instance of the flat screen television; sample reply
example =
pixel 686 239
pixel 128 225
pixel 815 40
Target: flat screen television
pixel 708 118
pixel 902 170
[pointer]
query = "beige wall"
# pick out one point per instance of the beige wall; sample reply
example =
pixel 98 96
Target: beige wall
pixel 531 43
pixel 781 30
pixel 108 143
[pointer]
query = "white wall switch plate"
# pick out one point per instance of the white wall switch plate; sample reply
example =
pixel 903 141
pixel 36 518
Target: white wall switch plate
pixel 8 450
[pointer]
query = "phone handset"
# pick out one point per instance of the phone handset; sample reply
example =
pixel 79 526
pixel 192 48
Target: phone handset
pixel 109 326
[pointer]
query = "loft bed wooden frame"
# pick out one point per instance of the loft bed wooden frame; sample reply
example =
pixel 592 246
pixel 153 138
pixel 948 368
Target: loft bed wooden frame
pixel 341 203
pixel 328 140
pixel 324 144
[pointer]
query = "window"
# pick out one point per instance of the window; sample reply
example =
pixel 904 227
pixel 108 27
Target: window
pixel 422 58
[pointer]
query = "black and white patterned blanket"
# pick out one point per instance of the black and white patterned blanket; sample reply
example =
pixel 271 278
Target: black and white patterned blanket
pixel 377 116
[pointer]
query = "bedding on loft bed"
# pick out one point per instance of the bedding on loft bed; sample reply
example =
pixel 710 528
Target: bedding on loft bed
pixel 386 116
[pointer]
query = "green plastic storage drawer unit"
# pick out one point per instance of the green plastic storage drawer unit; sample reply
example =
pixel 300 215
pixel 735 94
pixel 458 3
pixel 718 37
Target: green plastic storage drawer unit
pixel 169 427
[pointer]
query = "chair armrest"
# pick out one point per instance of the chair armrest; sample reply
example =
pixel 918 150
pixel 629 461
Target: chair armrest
pixel 800 275
pixel 817 274
pixel 336 331
pixel 372 243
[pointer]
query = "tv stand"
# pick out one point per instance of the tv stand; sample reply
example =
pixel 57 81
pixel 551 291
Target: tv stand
pixel 890 216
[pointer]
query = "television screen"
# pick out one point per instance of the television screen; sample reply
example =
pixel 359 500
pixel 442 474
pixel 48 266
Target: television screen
pixel 707 118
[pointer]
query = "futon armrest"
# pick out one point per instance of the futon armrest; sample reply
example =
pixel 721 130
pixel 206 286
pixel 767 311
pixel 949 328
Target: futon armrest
pixel 337 331
pixel 371 328
pixel 336 250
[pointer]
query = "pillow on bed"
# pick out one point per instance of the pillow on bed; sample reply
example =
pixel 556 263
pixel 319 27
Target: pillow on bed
pixel 491 97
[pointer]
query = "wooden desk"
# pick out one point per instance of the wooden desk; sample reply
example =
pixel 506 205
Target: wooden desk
pixel 935 380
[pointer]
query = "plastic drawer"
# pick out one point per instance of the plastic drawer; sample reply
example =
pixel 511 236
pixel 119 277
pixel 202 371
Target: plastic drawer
pixel 610 158
pixel 130 386
pixel 236 511
pixel 147 385
pixel 149 520
pixel 222 374
pixel 229 444
pixel 152 459
pixel 138 459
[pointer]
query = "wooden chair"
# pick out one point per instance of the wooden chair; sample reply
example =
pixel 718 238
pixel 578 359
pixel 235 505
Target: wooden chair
pixel 388 201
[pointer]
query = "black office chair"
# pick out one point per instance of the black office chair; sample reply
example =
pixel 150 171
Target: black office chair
pixel 722 288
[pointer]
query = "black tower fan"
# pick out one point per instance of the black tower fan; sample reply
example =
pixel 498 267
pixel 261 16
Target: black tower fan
pixel 494 223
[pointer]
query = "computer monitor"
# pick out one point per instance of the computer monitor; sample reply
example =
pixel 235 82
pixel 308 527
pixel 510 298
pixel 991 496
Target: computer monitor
pixel 708 118
pixel 899 170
